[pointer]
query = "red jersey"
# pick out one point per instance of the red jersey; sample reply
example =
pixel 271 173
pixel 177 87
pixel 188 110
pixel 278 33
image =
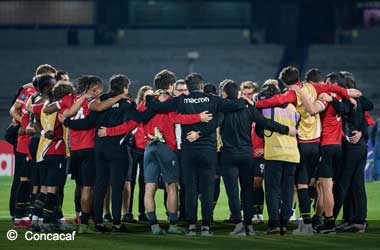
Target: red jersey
pixel 164 122
pixel 331 121
pixel 369 119
pixel 291 97
pixel 79 139
pixel 23 96
pixel 257 142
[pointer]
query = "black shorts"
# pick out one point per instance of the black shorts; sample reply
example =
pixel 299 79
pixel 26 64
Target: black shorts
pixel 331 159
pixel 82 166
pixel 33 146
pixel 309 161
pixel 160 160
pixel 258 167
pixel 53 171
pixel 35 171
pixel 23 165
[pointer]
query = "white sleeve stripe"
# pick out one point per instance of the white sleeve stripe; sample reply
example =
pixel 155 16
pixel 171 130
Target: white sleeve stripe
pixel 323 107
pixel 89 104
pixel 59 106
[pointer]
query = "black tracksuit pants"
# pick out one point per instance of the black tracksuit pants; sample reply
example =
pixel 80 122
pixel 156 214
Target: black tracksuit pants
pixel 198 169
pixel 279 187
pixel 350 184
pixel 235 168
pixel 111 168
pixel 137 162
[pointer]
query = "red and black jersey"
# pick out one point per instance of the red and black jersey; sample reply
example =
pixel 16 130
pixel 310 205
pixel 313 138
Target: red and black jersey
pixel 331 120
pixel 23 96
pixel 257 142
pixel 79 139
pixel 164 122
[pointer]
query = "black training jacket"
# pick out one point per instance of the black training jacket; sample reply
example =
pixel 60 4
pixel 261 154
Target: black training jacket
pixel 237 126
pixel 355 119
pixel 194 103
pixel 121 111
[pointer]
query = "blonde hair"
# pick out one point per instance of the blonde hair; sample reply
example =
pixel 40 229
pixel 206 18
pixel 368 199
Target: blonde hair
pixel 250 85
pixel 140 94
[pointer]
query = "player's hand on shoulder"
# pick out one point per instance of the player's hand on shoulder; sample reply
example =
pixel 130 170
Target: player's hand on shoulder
pixel 102 132
pixel 205 116
pixel 192 136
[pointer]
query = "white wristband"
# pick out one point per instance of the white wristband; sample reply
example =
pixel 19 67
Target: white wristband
pixel 43 132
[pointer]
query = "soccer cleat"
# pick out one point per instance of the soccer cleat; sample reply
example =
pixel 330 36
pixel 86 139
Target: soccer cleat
pixel 191 231
pixel 82 228
pixel 174 229
pixel 239 230
pixel 294 216
pixel 47 227
pixel 24 222
pixel 101 228
pixel 258 219
pixel 143 217
pixel 284 231
pixel 128 218
pixel 107 218
pixel 342 225
pixel 356 228
pixel 63 225
pixel 303 228
pixel 325 229
pixel 274 231
pixel 36 223
pixel 157 230
pixel 77 218
pixel 121 228
pixel 316 221
pixel 206 231
pixel 250 230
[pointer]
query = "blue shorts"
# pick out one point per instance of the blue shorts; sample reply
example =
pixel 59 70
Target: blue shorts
pixel 160 160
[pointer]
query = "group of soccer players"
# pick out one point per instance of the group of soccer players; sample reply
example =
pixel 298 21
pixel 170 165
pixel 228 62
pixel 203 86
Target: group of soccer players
pixel 302 145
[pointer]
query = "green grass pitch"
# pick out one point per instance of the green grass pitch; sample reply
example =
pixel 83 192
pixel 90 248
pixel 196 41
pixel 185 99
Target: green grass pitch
pixel 140 238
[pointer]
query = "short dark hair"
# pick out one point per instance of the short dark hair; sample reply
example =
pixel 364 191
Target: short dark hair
pixel 118 83
pixel 350 79
pixel 93 81
pixel 210 89
pixel 337 77
pixel 164 79
pixel 269 89
pixel 231 88
pixel 59 74
pixel 62 89
pixel 289 75
pixel 194 81
pixel 81 84
pixel 43 81
pixel 179 82
pixel 313 75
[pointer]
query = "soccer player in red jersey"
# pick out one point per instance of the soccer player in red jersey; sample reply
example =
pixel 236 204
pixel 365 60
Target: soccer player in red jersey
pixel 330 106
pixel 23 160
pixel 309 133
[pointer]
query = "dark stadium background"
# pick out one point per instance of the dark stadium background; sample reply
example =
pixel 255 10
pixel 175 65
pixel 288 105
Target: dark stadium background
pixel 241 40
